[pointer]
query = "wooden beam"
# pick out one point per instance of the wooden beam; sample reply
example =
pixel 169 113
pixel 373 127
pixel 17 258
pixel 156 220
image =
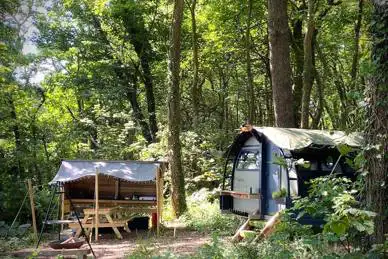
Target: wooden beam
pixel 157 201
pixel 49 252
pixel 31 194
pixel 161 185
pixel 117 183
pixel 96 216
pixel 62 190
pixel 241 195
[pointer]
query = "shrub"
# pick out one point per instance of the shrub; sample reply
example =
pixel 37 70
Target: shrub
pixel 205 216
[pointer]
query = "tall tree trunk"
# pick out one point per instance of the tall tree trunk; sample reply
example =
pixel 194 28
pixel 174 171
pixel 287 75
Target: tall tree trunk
pixel 149 89
pixel 174 146
pixel 357 28
pixel 16 133
pixel 280 63
pixel 250 86
pixel 129 81
pixel 134 24
pixel 143 51
pixel 297 46
pixel 137 113
pixel 377 128
pixel 308 69
pixel 195 90
pixel 318 114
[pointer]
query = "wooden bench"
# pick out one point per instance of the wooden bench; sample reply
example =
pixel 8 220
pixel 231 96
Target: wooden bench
pixel 49 252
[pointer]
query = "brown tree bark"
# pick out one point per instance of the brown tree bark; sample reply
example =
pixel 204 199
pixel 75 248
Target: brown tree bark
pixel 178 197
pixel 377 128
pixel 16 133
pixel 195 90
pixel 131 91
pixel 280 63
pixel 250 86
pixel 297 46
pixel 308 68
pixel 357 28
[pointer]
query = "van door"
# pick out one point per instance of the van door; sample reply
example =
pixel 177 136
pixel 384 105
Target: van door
pixel 247 179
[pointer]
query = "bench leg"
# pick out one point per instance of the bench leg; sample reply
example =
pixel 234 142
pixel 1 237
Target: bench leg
pixel 117 232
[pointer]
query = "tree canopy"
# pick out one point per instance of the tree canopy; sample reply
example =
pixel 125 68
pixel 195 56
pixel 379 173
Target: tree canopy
pixel 96 84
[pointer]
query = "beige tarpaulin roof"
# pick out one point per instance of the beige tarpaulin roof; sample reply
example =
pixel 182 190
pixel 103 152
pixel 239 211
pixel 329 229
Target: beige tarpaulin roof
pixel 292 139
pixel 137 171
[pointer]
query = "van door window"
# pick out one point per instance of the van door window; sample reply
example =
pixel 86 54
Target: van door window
pixel 249 160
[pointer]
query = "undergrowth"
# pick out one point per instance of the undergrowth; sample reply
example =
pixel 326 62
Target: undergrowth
pixel 203 215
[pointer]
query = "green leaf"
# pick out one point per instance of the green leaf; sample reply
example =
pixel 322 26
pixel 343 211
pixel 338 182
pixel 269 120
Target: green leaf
pixel 344 149
pixel 360 227
pixel 338 227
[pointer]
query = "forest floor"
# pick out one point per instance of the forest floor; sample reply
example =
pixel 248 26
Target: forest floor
pixel 144 243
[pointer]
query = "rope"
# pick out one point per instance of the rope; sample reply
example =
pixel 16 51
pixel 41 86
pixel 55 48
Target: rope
pixel 17 215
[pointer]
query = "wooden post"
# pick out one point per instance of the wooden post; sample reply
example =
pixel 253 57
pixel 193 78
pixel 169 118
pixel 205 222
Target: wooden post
pixel 31 194
pixel 159 199
pixel 117 183
pixel 62 190
pixel 96 216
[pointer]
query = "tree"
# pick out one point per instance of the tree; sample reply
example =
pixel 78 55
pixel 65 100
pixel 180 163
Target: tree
pixel 250 86
pixel 308 68
pixel 280 63
pixel 376 127
pixel 130 14
pixel 178 197
pixel 196 87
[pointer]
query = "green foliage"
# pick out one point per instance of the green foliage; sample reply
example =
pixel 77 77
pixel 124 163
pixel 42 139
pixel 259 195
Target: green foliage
pixel 18 238
pixel 83 108
pixel 333 199
pixel 282 193
pixel 205 216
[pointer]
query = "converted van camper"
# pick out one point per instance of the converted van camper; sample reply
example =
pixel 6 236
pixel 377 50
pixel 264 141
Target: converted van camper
pixel 272 166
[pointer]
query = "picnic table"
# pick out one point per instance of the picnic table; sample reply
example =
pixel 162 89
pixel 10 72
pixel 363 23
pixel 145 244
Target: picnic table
pixel 110 218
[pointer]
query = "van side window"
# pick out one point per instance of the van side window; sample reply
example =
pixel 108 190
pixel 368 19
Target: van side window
pixel 249 160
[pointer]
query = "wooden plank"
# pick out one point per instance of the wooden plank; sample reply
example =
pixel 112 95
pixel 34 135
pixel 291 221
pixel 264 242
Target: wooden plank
pixel 157 201
pixel 161 185
pixel 102 225
pixel 83 221
pixel 76 201
pixel 62 189
pixel 31 194
pixel 111 210
pixel 117 232
pixel 96 217
pixel 241 195
pixel 48 252
pixel 117 183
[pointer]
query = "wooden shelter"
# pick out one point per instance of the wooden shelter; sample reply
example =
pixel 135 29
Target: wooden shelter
pixel 110 193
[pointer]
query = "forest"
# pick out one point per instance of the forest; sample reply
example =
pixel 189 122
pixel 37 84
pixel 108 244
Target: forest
pixel 174 80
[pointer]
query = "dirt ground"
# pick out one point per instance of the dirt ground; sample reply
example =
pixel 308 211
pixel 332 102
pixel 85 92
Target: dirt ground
pixel 185 243
pixel 108 247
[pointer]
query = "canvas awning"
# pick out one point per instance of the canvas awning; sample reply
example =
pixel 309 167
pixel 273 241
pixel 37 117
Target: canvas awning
pixel 136 171
pixel 293 139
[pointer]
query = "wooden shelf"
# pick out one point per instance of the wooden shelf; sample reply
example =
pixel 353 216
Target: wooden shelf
pixel 242 195
pixel 113 201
